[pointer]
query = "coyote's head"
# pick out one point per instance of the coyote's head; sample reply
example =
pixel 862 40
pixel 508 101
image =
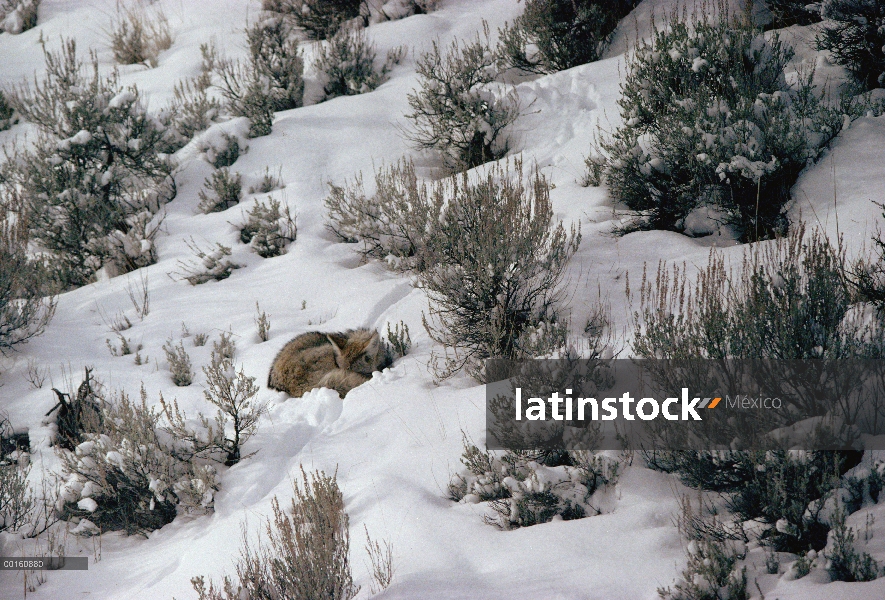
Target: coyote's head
pixel 360 350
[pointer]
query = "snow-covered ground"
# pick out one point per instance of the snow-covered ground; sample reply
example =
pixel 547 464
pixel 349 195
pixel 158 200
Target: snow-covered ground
pixel 396 440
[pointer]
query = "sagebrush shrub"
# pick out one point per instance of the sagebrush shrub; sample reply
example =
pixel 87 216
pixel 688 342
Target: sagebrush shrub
pixel 844 563
pixel 210 265
pixel 458 111
pixel 854 32
pixel 127 477
pixel 527 488
pixel 226 191
pixel 496 260
pixel 395 222
pixel 710 121
pixel 553 35
pixel 16 497
pixel 7 114
pixel 268 229
pixel 320 19
pixel 391 10
pixel 305 555
pixel 77 414
pixel 17 16
pixel 138 36
pixel 274 53
pixel 867 275
pixel 25 306
pixel 224 153
pixel 93 178
pixel 190 111
pixel 347 64
pixel 179 364
pixel 792 12
pixel 711 572
pixel 247 94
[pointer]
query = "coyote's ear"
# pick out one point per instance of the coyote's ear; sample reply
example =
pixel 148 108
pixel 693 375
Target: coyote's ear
pixel 338 342
pixel 373 345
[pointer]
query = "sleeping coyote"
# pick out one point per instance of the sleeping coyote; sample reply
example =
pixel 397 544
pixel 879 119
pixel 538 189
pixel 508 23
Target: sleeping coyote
pixel 339 361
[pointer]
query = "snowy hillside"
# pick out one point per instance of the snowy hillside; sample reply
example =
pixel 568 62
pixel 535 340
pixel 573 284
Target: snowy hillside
pixel 394 442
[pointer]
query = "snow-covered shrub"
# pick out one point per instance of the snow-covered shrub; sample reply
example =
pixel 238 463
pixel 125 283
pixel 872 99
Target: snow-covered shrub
pixel 226 190
pixel 268 229
pixel 269 182
pixel 93 176
pixel 788 300
pixel 262 321
pixel 398 339
pixel 127 477
pixel 17 16
pixel 222 151
pixel 273 51
pixel 711 573
pixel 223 349
pixel 710 121
pixel 179 364
pixel 843 561
pixel 792 12
pixel 25 308
pixel 247 94
pixel 305 556
pixel 236 420
pixel 458 110
pixel 854 32
pixel 868 274
pixel 190 111
pixel 395 222
pixel 390 10
pixel 7 114
pixel 553 35
pixel 79 414
pixel 494 263
pixel 138 36
pixel 16 497
pixel 320 19
pixel 347 64
pixel 211 265
pixel 528 488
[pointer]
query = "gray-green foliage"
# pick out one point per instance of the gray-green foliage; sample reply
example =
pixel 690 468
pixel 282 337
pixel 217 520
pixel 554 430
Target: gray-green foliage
pixel 553 35
pixel 710 120
pixel 268 228
pixel 94 177
pixel 854 32
pixel 17 16
pixel 347 64
pixel 458 111
pixel 7 114
pixel 225 190
pixel 320 19
pixel 495 262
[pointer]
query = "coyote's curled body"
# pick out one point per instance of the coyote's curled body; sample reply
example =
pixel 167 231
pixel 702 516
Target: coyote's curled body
pixel 339 361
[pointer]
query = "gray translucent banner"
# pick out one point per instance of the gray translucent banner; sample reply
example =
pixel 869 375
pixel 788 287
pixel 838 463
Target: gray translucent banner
pixel 44 563
pixel 694 404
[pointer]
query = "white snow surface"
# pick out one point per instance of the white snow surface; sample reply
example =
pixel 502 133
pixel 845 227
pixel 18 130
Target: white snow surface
pixel 395 441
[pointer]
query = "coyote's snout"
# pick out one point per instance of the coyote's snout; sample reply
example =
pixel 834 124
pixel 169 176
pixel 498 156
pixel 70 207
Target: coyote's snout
pixel 339 361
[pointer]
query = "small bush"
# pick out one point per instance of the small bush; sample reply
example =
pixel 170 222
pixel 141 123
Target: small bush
pixel 554 35
pixel 711 573
pixel 138 37
pixel 456 111
pixel 262 321
pixel 7 114
pixel 398 339
pixel 320 19
pixel 868 275
pixel 710 122
pixel 792 12
pixel 127 477
pixel 347 64
pixel 854 32
pixel 233 394
pixel 94 177
pixel 17 16
pixel 179 364
pixel 269 182
pixel 223 154
pixel 528 488
pixel 395 222
pixel 224 349
pixel 191 110
pixel 227 191
pixel 268 229
pixel 211 265
pixel 17 500
pixel 497 261
pixel 274 54
pixel 843 561
pixel 76 417
pixel 305 555
pixel 25 309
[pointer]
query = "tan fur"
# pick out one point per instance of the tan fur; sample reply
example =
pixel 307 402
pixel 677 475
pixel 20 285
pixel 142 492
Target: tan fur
pixel 339 361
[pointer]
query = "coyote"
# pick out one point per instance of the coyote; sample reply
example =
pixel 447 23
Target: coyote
pixel 339 361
